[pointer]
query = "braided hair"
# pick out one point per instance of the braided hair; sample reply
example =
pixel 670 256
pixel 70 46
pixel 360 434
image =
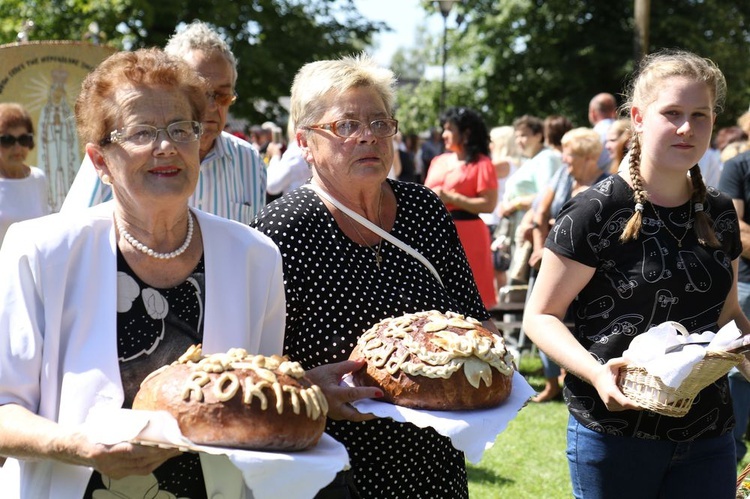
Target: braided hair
pixel 633 227
pixel 653 70
pixel 703 223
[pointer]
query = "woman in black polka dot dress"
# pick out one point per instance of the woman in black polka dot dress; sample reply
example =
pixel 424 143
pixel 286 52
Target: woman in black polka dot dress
pixel 340 278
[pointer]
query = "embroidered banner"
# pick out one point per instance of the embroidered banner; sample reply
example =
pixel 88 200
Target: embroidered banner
pixel 45 77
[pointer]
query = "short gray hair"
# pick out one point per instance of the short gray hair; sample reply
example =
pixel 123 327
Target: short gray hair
pixel 317 80
pixel 200 36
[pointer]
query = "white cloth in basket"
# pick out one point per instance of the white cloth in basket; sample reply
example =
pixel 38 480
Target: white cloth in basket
pixel 647 350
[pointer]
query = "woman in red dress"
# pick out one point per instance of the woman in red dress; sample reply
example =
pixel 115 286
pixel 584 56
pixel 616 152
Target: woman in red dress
pixel 464 179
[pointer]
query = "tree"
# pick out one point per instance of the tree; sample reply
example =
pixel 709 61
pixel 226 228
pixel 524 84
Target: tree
pixel 546 57
pixel 415 95
pixel 270 38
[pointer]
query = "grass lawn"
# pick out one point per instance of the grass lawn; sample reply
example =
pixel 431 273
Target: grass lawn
pixel 528 458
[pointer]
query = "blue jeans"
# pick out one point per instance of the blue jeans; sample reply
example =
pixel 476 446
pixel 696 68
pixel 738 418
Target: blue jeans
pixel 739 387
pixel 551 370
pixel 613 467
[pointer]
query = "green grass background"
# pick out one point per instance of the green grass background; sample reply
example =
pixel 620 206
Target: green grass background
pixel 528 458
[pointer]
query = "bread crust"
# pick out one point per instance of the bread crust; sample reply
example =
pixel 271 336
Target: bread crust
pixel 266 420
pixel 427 369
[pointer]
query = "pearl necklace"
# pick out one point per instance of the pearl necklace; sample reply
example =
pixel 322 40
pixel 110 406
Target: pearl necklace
pixel 688 226
pixel 155 254
pixel 378 257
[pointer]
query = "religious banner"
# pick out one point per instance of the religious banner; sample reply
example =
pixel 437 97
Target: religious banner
pixel 45 77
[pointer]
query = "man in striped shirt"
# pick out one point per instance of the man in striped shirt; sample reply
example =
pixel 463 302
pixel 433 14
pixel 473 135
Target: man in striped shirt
pixel 232 180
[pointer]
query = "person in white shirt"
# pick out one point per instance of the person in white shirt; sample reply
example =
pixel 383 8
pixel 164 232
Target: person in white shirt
pixel 96 300
pixel 23 188
pixel 287 171
pixel 232 181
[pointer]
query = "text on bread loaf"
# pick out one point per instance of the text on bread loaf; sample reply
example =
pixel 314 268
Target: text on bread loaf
pixel 227 384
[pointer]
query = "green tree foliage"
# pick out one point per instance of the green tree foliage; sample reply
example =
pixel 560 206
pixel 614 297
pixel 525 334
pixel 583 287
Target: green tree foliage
pixel 270 38
pixel 543 57
pixel 416 95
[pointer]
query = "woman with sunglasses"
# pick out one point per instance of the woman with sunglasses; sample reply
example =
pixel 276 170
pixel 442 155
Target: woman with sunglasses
pixel 341 276
pixel 23 188
pixel 94 301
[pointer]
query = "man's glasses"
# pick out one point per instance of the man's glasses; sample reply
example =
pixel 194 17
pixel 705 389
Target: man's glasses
pixel 222 99
pixel 144 135
pixel 347 129
pixel 26 140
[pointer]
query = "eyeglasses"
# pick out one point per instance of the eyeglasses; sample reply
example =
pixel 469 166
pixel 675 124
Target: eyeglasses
pixel 347 129
pixel 26 140
pixel 144 135
pixel 222 99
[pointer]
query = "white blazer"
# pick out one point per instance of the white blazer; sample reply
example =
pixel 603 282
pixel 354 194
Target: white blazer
pixel 58 339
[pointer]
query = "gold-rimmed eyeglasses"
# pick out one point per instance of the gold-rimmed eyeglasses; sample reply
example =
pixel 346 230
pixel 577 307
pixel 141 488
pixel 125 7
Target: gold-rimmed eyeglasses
pixel 144 135
pixel 221 98
pixel 348 129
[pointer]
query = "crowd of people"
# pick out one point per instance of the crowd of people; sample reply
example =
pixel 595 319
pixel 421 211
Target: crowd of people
pixel 172 212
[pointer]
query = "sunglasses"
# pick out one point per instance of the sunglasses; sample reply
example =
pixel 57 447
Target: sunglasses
pixel 26 140
pixel 221 98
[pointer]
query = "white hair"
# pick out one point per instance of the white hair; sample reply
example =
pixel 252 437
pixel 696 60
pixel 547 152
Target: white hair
pixel 199 36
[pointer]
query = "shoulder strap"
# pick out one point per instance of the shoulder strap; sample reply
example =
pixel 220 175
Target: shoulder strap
pixel 377 230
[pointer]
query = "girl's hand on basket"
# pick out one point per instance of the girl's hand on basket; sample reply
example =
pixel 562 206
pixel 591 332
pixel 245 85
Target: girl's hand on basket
pixel 605 382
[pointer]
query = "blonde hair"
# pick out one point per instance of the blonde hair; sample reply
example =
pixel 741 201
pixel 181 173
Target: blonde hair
pixel 503 138
pixel 648 80
pixel 733 149
pixel 621 127
pixel 583 141
pixel 316 81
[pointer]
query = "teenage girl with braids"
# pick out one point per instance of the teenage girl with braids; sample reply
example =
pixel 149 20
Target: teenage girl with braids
pixel 645 246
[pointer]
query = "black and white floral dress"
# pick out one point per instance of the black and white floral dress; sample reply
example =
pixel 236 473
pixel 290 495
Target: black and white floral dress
pixel 155 326
pixel 335 292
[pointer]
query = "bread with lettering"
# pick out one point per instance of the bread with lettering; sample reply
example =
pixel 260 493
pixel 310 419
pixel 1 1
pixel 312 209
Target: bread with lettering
pixel 430 360
pixel 238 400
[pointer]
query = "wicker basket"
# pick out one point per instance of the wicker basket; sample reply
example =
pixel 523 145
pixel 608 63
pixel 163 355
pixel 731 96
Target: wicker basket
pixel 651 393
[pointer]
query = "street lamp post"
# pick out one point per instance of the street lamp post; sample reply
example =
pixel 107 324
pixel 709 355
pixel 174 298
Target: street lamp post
pixel 445 8
pixel 642 18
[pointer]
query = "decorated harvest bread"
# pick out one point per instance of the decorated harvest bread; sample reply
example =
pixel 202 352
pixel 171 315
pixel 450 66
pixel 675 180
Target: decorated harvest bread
pixel 431 360
pixel 238 400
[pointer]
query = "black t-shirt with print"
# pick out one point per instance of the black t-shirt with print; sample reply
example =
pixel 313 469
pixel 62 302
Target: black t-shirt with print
pixel 640 284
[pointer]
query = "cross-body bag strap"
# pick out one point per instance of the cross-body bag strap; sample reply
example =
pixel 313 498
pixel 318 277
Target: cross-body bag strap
pixel 377 230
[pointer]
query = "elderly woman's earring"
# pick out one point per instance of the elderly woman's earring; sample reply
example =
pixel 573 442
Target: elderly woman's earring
pixel 106 179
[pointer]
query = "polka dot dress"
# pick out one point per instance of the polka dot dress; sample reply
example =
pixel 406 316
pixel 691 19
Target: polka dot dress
pixel 335 292
pixel 154 327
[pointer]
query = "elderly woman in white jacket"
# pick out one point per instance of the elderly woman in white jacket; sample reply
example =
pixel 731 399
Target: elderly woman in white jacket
pixel 94 302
